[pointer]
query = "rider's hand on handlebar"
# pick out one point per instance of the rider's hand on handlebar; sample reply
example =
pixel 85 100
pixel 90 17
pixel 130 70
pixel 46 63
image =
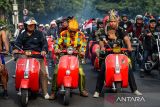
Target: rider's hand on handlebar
pixel 103 49
pixel 15 51
pixel 28 53
pixel 105 41
pixel 43 53
pixel 6 52
pixel 130 49
pixel 57 51
pixel 82 53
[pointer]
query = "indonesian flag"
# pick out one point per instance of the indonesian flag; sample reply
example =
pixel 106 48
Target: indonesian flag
pixel 88 24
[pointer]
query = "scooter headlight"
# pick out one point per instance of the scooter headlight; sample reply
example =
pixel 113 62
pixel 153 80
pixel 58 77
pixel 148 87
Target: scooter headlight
pixel 117 49
pixel 68 72
pixel 135 40
pixel 26 77
pixel 70 50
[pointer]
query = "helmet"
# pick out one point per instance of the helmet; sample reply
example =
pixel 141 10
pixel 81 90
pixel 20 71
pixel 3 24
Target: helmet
pixel 139 17
pixel 41 25
pixel 152 20
pixel 31 21
pixel 53 22
pixel 73 25
pixel 46 25
pixel 124 15
pixel 99 21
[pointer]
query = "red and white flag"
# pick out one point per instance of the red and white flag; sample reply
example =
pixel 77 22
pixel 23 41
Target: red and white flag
pixel 88 24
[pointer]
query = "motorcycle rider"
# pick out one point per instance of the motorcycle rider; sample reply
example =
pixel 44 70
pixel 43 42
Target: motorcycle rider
pixel 41 28
pixel 146 19
pixel 53 31
pixel 19 30
pixel 47 27
pixel 64 25
pixel 138 27
pixel 158 24
pixel 114 32
pixel 100 30
pixel 149 43
pixel 98 33
pixel 125 23
pixel 3 71
pixel 33 40
pixel 75 38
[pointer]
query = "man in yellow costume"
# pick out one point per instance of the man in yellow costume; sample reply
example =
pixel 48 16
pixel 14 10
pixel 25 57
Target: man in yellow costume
pixel 71 37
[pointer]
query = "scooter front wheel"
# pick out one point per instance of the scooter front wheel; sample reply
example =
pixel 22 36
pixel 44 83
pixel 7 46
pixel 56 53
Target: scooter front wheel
pixel 118 86
pixel 24 97
pixel 67 96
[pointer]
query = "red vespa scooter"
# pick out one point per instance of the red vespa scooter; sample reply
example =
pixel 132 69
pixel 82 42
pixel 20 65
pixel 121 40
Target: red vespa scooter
pixel 27 76
pixel 68 73
pixel 51 52
pixel 117 68
pixel 92 52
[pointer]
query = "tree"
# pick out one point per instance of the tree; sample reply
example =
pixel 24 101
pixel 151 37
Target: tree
pixel 5 8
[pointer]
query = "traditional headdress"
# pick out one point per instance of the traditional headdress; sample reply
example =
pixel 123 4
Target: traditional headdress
pixel 113 15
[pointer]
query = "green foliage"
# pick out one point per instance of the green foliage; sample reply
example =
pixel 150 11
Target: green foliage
pixel 50 9
pixel 130 7
pixel 5 5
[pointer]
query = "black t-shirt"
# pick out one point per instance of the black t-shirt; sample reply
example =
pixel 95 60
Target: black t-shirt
pixel 35 42
pixel 120 33
pixel 149 42
pixel 127 24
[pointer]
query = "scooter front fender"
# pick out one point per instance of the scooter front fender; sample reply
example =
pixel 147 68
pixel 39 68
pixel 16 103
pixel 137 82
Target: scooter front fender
pixel 67 81
pixel 24 83
pixel 117 77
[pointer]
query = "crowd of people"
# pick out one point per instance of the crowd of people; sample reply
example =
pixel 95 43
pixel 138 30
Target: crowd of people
pixel 68 32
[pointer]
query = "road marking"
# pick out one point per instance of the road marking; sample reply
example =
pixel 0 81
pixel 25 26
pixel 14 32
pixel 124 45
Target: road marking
pixel 9 60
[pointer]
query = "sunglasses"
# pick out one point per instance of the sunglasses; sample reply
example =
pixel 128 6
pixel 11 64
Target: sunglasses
pixel 72 31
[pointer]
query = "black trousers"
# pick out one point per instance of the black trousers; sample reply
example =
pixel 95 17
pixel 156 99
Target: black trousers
pixel 101 78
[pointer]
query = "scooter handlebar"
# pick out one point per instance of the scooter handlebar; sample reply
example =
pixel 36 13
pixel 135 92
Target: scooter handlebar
pixel 65 51
pixel 122 49
pixel 5 54
pixel 29 52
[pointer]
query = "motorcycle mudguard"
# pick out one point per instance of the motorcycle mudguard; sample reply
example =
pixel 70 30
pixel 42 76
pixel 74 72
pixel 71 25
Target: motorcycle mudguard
pixel 67 81
pixel 94 48
pixel 96 63
pixel 117 77
pixel 24 83
pixel 33 70
pixel 68 62
pixel 111 75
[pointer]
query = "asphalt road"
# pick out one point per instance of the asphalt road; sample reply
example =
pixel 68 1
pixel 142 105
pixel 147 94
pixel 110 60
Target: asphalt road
pixel 149 86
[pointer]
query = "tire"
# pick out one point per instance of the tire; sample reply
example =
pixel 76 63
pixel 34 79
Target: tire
pixel 118 86
pixel 24 97
pixel 67 95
